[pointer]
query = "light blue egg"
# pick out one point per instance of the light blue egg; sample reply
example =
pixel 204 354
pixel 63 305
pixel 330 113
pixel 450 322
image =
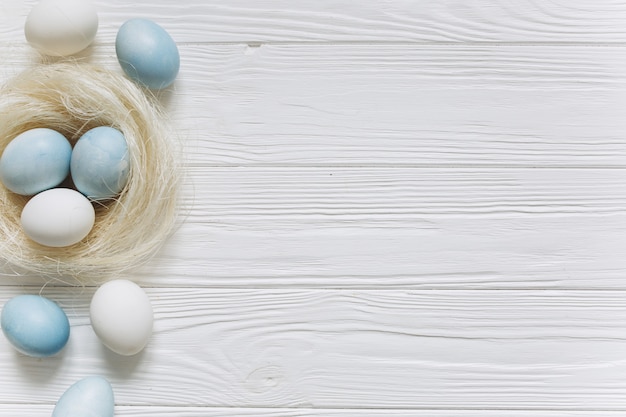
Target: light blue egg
pixel 89 397
pixel 100 163
pixel 147 53
pixel 35 325
pixel 34 161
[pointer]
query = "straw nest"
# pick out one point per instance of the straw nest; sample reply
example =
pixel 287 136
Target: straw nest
pixel 73 98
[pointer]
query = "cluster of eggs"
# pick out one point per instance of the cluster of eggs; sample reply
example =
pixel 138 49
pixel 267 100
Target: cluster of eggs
pixel 121 316
pixel 145 51
pixel 40 159
pixel 64 182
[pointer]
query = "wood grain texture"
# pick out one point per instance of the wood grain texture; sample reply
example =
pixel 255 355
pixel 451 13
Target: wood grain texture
pixel 407 228
pixel 395 228
pixel 405 105
pixel 143 411
pixel 600 21
pixel 402 105
pixel 544 350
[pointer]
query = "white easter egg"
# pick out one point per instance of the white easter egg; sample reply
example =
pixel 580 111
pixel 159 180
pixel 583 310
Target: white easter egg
pixel 58 217
pixel 61 27
pixel 121 316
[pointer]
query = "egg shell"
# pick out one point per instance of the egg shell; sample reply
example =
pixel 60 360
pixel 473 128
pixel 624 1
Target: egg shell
pixel 100 163
pixel 34 161
pixel 61 27
pixel 58 217
pixel 35 325
pixel 89 397
pixel 147 53
pixel 121 316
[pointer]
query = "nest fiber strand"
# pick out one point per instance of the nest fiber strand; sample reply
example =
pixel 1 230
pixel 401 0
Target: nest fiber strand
pixel 73 98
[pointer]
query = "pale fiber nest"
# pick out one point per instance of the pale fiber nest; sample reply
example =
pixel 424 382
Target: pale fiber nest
pixel 73 98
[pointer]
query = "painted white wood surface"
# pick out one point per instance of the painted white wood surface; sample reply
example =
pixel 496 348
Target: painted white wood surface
pixel 402 208
pixel 331 349
pixel 345 20
pixel 142 411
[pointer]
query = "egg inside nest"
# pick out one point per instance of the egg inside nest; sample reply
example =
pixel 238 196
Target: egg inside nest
pixel 73 98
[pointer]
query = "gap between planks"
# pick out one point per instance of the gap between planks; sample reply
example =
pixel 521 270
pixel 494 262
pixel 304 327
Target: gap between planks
pixel 37 410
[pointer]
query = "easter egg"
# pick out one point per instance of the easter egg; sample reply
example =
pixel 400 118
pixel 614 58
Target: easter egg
pixel 121 316
pixel 61 27
pixel 147 53
pixel 89 397
pixel 35 325
pixel 34 161
pixel 58 217
pixel 100 163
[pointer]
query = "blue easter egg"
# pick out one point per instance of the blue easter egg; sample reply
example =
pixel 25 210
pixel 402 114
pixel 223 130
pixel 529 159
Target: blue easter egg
pixel 34 325
pixel 91 396
pixel 147 53
pixel 34 161
pixel 100 163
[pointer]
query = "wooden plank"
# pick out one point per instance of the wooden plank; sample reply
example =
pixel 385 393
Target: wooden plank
pixel 492 350
pixel 600 21
pixel 402 105
pixel 395 228
pixel 406 228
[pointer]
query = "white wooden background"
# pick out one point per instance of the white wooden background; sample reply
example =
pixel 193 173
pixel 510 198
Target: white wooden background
pixel 394 208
